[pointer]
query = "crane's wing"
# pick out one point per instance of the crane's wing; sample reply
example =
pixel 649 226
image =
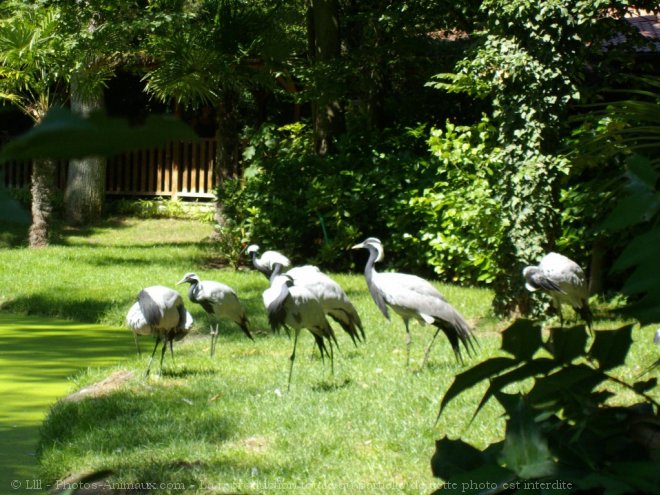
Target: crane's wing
pixel 270 258
pixel 274 300
pixel 537 279
pixel 149 307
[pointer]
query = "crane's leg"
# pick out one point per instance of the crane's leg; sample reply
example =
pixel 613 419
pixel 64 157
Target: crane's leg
pixel 172 351
pixel 428 349
pixel 152 357
pixel 137 344
pixel 292 359
pixel 408 341
pixel 162 356
pixel 332 358
pixel 214 337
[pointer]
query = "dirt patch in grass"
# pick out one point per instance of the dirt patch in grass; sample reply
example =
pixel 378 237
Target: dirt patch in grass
pixel 99 389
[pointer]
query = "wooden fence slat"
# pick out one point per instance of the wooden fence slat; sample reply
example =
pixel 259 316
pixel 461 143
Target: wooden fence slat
pixel 179 168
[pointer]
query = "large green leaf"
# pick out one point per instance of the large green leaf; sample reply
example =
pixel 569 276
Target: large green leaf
pixel 10 210
pixel 485 480
pixel 641 248
pixel 525 449
pixel 527 370
pixel 63 135
pixel 568 343
pixel 643 475
pixel 632 210
pixel 611 347
pixel 474 375
pixel 454 457
pixel 522 339
pixel 580 380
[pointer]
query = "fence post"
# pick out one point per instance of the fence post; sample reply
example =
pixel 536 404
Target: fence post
pixel 176 156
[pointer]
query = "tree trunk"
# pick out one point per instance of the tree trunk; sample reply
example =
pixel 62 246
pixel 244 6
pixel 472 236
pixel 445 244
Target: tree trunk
pixel 596 266
pixel 228 152
pixel 43 179
pixel 324 46
pixel 84 198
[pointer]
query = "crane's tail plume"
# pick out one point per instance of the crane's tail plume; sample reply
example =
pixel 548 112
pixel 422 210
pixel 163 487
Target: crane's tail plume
pixel 458 332
pixel 245 326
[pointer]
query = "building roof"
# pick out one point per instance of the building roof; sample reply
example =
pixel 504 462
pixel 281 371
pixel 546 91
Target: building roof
pixel 648 25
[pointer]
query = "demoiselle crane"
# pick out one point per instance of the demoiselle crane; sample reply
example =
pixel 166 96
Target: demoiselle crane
pixel 565 282
pixel 219 300
pixel 268 261
pixel 413 297
pixel 296 307
pixel 159 311
pixel 332 297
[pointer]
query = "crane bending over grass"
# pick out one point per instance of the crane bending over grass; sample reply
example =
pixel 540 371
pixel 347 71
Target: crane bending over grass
pixel 159 311
pixel 332 297
pixel 268 261
pixel 291 306
pixel 219 300
pixel 564 280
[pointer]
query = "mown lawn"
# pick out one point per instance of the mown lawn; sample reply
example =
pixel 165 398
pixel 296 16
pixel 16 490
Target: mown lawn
pixel 227 424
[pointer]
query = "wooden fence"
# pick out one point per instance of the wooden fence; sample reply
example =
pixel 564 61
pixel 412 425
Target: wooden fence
pixel 179 169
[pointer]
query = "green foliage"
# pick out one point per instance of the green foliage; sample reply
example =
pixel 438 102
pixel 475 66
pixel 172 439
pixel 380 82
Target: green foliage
pixel 461 215
pixel 314 208
pixel 565 426
pixel 31 57
pixel 203 50
pixel 623 135
pixel 529 63
pixel 639 208
pixel 62 134
pixel 159 207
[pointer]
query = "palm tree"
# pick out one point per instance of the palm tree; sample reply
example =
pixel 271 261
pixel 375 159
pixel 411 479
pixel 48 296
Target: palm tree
pixel 213 54
pixel 100 36
pixel 31 61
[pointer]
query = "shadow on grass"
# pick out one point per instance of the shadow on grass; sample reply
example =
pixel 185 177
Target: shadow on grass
pixel 54 305
pixel 120 428
pixel 13 235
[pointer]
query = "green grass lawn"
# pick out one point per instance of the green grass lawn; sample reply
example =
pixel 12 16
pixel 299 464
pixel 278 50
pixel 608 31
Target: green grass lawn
pixel 227 424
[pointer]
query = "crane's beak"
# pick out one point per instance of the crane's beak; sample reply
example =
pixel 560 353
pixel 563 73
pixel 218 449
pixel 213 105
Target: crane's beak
pixel 358 246
pixel 182 281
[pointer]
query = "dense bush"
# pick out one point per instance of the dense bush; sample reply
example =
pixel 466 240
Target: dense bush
pixel 461 226
pixel 313 208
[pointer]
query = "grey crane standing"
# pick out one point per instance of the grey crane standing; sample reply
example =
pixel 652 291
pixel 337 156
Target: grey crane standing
pixel 219 300
pixel 291 306
pixel 268 261
pixel 565 282
pixel 159 311
pixel 332 297
pixel 413 297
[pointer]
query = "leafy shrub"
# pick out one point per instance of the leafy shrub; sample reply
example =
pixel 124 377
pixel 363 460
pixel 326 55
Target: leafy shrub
pixel 163 208
pixel 460 211
pixel 564 429
pixel 313 208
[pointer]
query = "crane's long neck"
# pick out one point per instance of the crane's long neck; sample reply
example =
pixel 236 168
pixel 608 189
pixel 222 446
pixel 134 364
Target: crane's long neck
pixel 369 268
pixel 193 290
pixel 259 266
pixel 277 269
pixel 370 274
